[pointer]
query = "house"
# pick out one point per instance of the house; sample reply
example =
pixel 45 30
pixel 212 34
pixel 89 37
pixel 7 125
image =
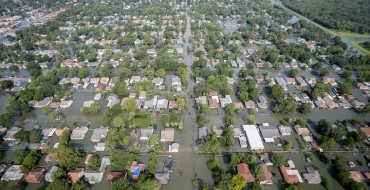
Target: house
pixel 202 100
pixel 162 177
pixel 269 133
pixel 99 147
pixel 266 159
pixel 75 175
pixel 254 139
pixel 104 162
pixel 172 104
pixel 148 104
pixel 366 130
pixel 134 79
pixel 99 134
pixel 285 131
pixel 142 95
pixel 93 177
pixel 162 104
pixel 265 179
pixel 9 136
pixel 176 83
pixel 356 176
pixel 312 176
pixel 262 102
pixel 104 80
pixel 301 81
pixel 35 175
pixel 79 133
pixel 157 81
pixel 290 176
pixel 48 132
pixel 301 130
pixel 290 80
pixel 45 102
pixel 230 80
pixel 97 97
pixel 225 101
pixel 146 133
pixel 114 176
pixel 174 147
pixel 13 173
pixel 202 132
pixel 50 173
pixel 65 103
pixel 168 135
pixel 357 104
pixel 213 95
pixel 250 104
pixel 218 131
pixel 212 103
pixel 330 81
pixel 243 142
pixel 88 103
pixel 243 169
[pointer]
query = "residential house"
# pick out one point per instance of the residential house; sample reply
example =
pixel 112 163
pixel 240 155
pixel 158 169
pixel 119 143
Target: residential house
pixel 254 139
pixel 301 81
pixel 88 103
pixel 238 132
pixel 158 81
pixel 176 83
pixel 104 162
pixel 146 133
pixel 243 169
pixel 97 97
pixel 35 175
pixel 148 104
pixel 202 100
pixel 285 131
pixel 330 81
pixel 162 104
pixel 99 146
pixel 172 104
pixel 212 103
pixel 250 104
pixel 162 177
pixel 290 176
pixel 290 80
pixel 218 131
pixel 356 176
pixel 134 79
pixel 49 174
pixel 168 135
pixel 173 148
pixel 262 102
pixel 269 133
pixel 45 102
pixel 357 104
pixel 266 159
pixel 75 175
pixel 312 176
pixel 114 176
pixel 9 136
pixel 13 173
pixel 93 177
pixel 266 178
pixel 79 133
pixel 366 130
pixel 48 132
pixel 243 141
pixel 225 101
pixel 142 95
pixel 99 134
pixel 202 132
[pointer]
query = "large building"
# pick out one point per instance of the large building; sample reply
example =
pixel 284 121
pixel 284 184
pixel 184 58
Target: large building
pixel 253 136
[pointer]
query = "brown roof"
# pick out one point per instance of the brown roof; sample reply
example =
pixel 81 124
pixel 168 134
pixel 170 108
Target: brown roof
pixel 88 157
pixel 366 130
pixel 266 177
pixel 356 176
pixel 243 169
pixel 114 176
pixel 367 174
pixel 239 105
pixel 172 104
pixel 288 178
pixel 212 103
pixel 59 131
pixel 75 175
pixel 301 130
pixel 35 176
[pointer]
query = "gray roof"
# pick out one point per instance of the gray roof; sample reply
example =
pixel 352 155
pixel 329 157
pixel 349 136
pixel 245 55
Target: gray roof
pixel 79 133
pixel 13 173
pixel 104 162
pixel 93 177
pixel 203 132
pixel 99 133
pixel 50 173
pixel 269 132
pixel 146 132
pixel 312 176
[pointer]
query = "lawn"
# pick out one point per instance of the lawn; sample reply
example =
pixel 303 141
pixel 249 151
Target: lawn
pixel 359 47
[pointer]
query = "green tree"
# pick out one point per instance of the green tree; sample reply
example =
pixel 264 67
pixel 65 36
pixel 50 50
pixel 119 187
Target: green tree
pixel 160 73
pixel 234 160
pixel 120 89
pixel 80 185
pixel 346 88
pixel 35 137
pixel 181 102
pixel 287 145
pixel 257 171
pixel 30 160
pixel 237 182
pixel 94 162
pixel 292 187
pixel 278 159
pixel 65 137
pixel 126 140
pixel 254 186
pixel 293 72
pixel 326 183
pixel 18 156
pixel 60 184
pixel 277 92
pixel 130 105
pixel 66 156
pixel 83 72
pixel 153 139
pixel 213 163
pixel 228 136
pixel 118 121
pixel 22 135
pixel 306 108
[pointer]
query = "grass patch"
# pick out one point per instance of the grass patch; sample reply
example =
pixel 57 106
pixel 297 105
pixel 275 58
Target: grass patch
pixel 359 47
pixel 332 32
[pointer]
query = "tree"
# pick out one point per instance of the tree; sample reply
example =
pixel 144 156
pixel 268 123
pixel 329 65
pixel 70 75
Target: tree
pixel 60 184
pixel 206 186
pixel 234 160
pixel 228 136
pixel 35 137
pixel 18 156
pixel 65 137
pixel 66 156
pixel 326 183
pixel 130 105
pixel 326 142
pixel 83 72
pixel 346 87
pixel 153 139
pixel 276 92
pixel 6 84
pixel 306 107
pixel 22 135
pixel 257 171
pixel 237 182
pixel 118 121
pixel 254 186
pixel 213 163
pixel 80 185
pixel 230 109
pixel 324 72
pixel 126 140
pixel 120 89
pixel 122 184
pixel 94 162
pixel 181 102
pixel 121 159
pixel 293 72
pixel 278 159
pixel 160 73
pixel 287 145
pixel 292 187
pixel 150 184
pixel 30 161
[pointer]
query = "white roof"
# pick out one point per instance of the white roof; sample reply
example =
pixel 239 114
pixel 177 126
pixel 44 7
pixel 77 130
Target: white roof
pixel 253 136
